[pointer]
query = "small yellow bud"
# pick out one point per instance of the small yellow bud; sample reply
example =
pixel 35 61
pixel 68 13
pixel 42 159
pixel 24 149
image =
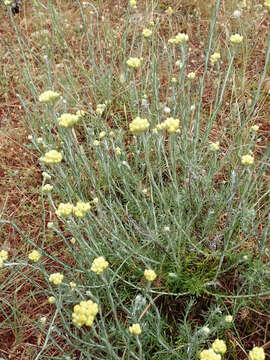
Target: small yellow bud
pixel 135 329
pixel 51 300
pixel 169 11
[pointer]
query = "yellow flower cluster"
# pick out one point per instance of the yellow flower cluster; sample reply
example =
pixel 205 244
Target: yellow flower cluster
pixel 180 38
pixel 147 33
pixel 34 256
pixel 169 10
pixel 81 209
pixel 229 318
pixel 171 125
pixel 244 4
pixel 46 175
pixel 56 278
pixel 150 275
pixel 102 134
pixel 191 75
pixel 68 120
pixel 134 62
pixel 219 346
pixel 209 355
pixel 254 128
pixel 84 313
pixel 72 285
pixel 118 150
pixel 80 113
pixel 133 3
pixel 47 188
pixel 247 160
pixel 214 146
pixel 99 265
pixel 64 209
pixel 267 4
pixel 257 353
pixel 51 300
pixel 52 157
pixel 100 108
pixel 3 257
pixel 138 125
pixel 49 97
pixel 214 57
pixel 236 39
pixel 135 329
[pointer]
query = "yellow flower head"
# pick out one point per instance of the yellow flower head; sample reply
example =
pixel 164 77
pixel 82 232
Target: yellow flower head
pixel 1 262
pixel 68 120
pixel 229 318
pixel 51 300
pixel 209 355
pixel 134 62
pixel 47 188
pixel 267 4
pixel 147 33
pixel 64 209
pixel 72 285
pixel 96 143
pixel 56 278
pixel 46 175
pixel 102 134
pixel 214 57
pixel 169 11
pixel 133 3
pixel 49 97
pixel 81 209
pixel 34 256
pixel 219 346
pixel 191 75
pixel 244 4
pixel 247 160
pixel 99 265
pixel 52 157
pixel 138 125
pixel 118 150
pixel 257 353
pixel 214 146
pixel 4 255
pixel 181 38
pixel 236 39
pixel 150 275
pixel 254 128
pixel 171 125
pixel 100 108
pixel 84 313
pixel 80 113
pixel 179 64
pixel 135 329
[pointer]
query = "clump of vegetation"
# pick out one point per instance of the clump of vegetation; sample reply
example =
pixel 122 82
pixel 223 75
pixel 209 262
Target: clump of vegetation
pixel 155 203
